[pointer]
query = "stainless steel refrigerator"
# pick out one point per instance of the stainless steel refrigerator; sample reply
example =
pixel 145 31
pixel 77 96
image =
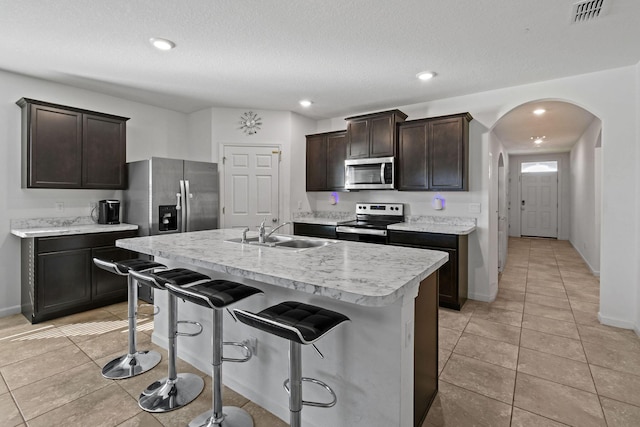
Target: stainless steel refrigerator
pixel 171 196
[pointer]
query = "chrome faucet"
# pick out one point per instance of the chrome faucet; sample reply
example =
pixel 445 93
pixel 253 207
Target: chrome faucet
pixel 261 232
pixel 274 229
pixel 263 236
pixel 244 235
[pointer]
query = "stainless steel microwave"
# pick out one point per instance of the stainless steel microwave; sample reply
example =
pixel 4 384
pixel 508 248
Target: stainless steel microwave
pixel 369 174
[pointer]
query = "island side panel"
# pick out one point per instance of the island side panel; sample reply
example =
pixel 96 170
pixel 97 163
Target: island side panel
pixel 362 358
pixel 425 348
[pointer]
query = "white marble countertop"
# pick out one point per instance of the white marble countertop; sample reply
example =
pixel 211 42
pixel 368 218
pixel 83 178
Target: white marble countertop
pixel 359 273
pixel 433 228
pixel 49 230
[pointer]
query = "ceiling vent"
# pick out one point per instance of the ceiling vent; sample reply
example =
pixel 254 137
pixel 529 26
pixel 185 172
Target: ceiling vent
pixel 588 10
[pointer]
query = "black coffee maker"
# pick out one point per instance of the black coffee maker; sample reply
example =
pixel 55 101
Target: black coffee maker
pixel 109 212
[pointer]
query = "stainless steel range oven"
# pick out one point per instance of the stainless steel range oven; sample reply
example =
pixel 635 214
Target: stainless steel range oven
pixel 371 222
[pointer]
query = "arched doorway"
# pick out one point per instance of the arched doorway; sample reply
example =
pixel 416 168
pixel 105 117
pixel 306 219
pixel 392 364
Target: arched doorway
pixel 569 134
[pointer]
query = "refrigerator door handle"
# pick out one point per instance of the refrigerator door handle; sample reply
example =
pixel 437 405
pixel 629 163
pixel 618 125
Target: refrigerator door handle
pixel 187 198
pixel 183 226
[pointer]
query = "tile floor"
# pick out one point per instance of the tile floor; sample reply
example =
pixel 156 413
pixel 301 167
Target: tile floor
pixel 536 356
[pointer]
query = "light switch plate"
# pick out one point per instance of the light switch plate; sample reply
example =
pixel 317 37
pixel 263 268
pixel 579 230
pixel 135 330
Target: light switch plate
pixel 474 208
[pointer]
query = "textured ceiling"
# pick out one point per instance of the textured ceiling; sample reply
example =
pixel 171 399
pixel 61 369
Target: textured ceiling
pixel 348 56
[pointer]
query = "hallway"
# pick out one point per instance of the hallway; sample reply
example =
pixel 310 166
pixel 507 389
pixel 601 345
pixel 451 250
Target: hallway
pixel 537 355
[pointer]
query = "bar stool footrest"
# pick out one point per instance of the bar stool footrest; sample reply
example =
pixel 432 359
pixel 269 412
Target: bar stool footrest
pixel 321 384
pixel 249 353
pixel 156 310
pixel 189 334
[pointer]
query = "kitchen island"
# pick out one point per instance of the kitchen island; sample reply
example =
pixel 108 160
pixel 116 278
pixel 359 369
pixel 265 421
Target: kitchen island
pixel 382 364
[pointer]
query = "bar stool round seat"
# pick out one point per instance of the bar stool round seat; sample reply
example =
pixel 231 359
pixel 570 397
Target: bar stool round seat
pixel 218 295
pixel 135 362
pixel 301 324
pixel 175 390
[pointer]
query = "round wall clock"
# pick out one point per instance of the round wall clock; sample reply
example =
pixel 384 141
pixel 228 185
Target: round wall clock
pixel 250 122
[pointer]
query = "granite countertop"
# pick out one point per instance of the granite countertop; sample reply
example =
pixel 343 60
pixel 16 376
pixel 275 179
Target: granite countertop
pixel 413 223
pixel 48 227
pixel 359 273
pixel 432 228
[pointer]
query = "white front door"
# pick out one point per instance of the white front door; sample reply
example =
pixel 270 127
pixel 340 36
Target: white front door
pixel 251 186
pixel 539 204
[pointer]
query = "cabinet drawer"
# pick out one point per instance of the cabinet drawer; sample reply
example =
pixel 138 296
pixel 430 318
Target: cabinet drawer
pixel 431 240
pixel 78 241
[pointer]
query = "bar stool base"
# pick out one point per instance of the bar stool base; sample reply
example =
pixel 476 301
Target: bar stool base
pixel 233 417
pixel 166 395
pixel 130 365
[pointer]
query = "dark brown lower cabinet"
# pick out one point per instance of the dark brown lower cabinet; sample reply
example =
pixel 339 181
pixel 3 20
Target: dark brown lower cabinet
pixel 453 279
pixel 59 277
pixel 314 230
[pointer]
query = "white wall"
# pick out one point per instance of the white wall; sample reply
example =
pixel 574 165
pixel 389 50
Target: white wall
pixel 609 95
pixel 280 128
pixel 583 234
pixel 564 191
pixel 199 136
pixel 150 131
pixel 637 170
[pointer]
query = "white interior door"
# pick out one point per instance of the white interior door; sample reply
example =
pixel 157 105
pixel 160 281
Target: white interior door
pixel 251 185
pixel 539 204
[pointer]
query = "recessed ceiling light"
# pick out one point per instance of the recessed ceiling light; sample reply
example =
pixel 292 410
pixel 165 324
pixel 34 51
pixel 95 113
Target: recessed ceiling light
pixel 162 44
pixel 538 139
pixel 426 75
pixel 306 103
pixel 539 111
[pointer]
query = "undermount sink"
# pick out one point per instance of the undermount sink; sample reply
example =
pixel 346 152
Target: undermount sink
pixel 269 241
pixel 303 244
pixel 285 242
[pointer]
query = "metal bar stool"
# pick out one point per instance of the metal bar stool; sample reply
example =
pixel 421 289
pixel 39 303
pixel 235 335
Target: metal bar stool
pixel 134 362
pixel 217 295
pixel 175 390
pixel 300 324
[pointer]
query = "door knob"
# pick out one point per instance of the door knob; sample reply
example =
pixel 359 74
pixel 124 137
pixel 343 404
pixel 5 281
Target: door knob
pixel 274 219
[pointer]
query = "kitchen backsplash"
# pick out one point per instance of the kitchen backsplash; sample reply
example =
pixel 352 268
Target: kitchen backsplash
pixel 444 220
pixel 334 215
pixel 24 223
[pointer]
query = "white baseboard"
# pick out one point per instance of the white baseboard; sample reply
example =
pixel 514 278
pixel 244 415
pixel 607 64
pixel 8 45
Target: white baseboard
pixel 8 311
pixel 618 323
pixel 481 297
pixel 591 269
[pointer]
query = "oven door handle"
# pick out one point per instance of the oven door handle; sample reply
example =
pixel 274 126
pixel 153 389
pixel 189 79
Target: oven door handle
pixel 356 230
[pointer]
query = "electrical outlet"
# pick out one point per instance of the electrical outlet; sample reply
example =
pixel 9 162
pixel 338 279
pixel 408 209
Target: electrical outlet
pixel 299 205
pixel 59 206
pixel 474 208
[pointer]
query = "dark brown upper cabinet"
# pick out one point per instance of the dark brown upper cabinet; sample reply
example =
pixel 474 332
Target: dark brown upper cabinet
pixel 66 147
pixel 325 157
pixel 433 154
pixel 373 135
